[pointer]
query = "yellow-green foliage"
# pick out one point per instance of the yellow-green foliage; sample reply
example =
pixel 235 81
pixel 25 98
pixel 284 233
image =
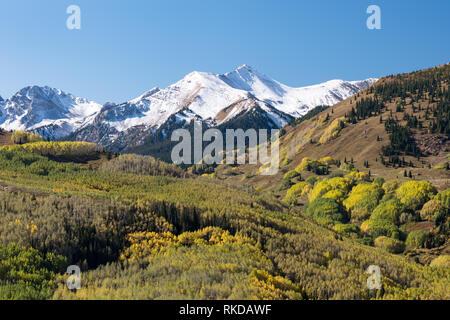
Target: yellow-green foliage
pixel 22 137
pixel 285 161
pixel 380 227
pixel 273 288
pixel 308 162
pixel 389 210
pixel 303 164
pixel 328 161
pixel 390 186
pixel 204 272
pixel 432 210
pixel 346 229
pixel 87 214
pixel 325 185
pixel 379 181
pixel 335 194
pixel 413 194
pixel 362 200
pixel 27 274
pixel 444 197
pixel 389 244
pixel 332 130
pixel 290 175
pixel 147 245
pixel 356 176
pixel 307 189
pixel 442 261
pixel 295 192
pixel 326 211
pixel 418 238
pixel 365 226
pixel 441 166
pixel 56 148
pixel 143 165
pixel 211 236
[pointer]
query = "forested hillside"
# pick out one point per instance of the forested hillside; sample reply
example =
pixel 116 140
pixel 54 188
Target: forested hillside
pixel 361 183
pixel 144 236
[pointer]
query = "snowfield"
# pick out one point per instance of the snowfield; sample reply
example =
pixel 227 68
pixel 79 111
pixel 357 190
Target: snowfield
pixel 202 95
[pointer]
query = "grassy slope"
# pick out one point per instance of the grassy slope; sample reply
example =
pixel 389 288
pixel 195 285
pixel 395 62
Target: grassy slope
pixel 315 258
pixel 260 218
pixel 311 256
pixel 357 141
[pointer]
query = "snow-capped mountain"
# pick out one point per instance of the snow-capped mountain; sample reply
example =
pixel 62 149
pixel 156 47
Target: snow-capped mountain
pixel 207 94
pixel 293 101
pixel 243 96
pixel 48 111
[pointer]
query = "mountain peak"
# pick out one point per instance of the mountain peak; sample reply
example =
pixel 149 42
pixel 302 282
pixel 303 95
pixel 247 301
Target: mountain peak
pixel 205 94
pixel 38 91
pixel 244 66
pixel 48 111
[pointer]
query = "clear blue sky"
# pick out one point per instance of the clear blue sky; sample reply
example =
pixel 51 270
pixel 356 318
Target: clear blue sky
pixel 127 47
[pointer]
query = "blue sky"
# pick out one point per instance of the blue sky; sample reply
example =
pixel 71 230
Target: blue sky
pixel 127 47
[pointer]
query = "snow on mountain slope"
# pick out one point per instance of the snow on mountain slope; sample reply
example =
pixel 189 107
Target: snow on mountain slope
pixel 294 101
pixel 46 110
pixel 207 94
pixel 214 98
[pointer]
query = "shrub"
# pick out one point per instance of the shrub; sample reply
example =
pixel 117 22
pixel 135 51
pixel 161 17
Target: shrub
pixel 312 180
pixel 290 175
pixel 419 239
pixel 406 217
pixel 444 197
pixel 378 181
pixel 362 200
pixel 442 261
pixel 367 241
pixel 274 288
pixel 390 186
pixel 295 192
pixel 335 194
pixel 328 161
pixel 387 197
pixel 332 130
pixel 380 227
pixel 326 185
pixel 303 164
pixel 315 166
pixel 356 176
pixel 336 174
pixel 327 211
pixel 346 229
pixel 413 194
pixel 433 210
pixel 389 244
pixel 389 210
